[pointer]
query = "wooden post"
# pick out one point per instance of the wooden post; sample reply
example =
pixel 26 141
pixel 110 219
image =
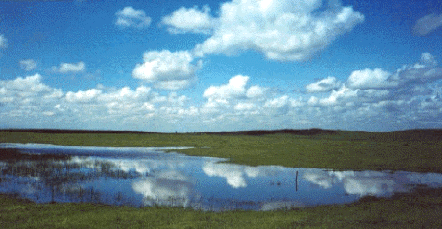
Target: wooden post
pixel 53 194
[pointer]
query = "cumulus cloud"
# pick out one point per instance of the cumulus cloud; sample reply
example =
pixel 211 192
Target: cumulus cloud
pixel 233 101
pixel 167 70
pixel 375 96
pixel 70 67
pixel 26 101
pixel 245 106
pixel 235 88
pixel 423 72
pixel 278 106
pixel 428 60
pixel 237 104
pixel 344 96
pixel 3 41
pixel 370 79
pixel 82 96
pixel 190 20
pixel 370 99
pixel 122 102
pixel 24 86
pixel 28 64
pixel 409 75
pixel 129 17
pixel 324 85
pixel 427 24
pixel 255 92
pixel 235 91
pixel 281 30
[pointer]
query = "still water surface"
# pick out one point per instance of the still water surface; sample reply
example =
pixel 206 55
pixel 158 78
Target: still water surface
pixel 150 177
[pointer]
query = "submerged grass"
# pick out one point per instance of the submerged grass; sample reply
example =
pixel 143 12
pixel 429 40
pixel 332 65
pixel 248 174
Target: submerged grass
pixel 405 150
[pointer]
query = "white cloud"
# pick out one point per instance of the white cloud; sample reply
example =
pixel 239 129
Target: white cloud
pixel 245 106
pixel 278 102
pixel 282 30
pixel 70 67
pixel 125 95
pixel 313 101
pixel 123 102
pixel 26 100
pixel 427 24
pixel 278 106
pixel 387 99
pixel 428 60
pixel 236 102
pixel 233 99
pixel 324 85
pixel 129 17
pixel 167 70
pixel 48 113
pixel 3 41
pixel 190 20
pixel 28 64
pixel 410 97
pixel 424 71
pixel 256 92
pixel 25 85
pixel 369 79
pixel 175 84
pixel 341 96
pixel 82 96
pixel 235 88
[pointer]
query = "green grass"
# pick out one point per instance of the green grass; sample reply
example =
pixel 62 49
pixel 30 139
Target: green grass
pixel 406 150
pixel 405 211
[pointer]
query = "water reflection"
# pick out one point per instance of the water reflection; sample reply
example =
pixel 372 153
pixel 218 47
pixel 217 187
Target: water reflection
pixel 361 183
pixel 150 177
pixel 170 188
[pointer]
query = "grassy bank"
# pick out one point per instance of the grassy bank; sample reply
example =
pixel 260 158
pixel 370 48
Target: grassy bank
pixel 404 211
pixel 406 150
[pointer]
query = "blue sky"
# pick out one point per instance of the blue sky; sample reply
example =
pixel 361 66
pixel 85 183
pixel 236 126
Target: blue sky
pixel 221 65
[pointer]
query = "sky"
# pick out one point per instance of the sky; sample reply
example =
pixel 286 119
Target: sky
pixel 188 66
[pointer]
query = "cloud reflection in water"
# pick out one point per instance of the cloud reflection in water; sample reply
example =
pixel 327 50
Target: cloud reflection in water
pixel 170 188
pixel 149 177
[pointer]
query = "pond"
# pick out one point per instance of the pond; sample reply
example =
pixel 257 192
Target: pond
pixel 141 177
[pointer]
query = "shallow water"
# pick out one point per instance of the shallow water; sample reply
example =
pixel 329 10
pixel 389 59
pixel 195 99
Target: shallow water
pixel 149 177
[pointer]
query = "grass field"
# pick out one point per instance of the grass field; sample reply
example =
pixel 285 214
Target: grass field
pixel 406 211
pixel 405 150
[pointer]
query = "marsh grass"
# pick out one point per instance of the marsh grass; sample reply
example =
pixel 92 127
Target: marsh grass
pixel 421 209
pixel 405 150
